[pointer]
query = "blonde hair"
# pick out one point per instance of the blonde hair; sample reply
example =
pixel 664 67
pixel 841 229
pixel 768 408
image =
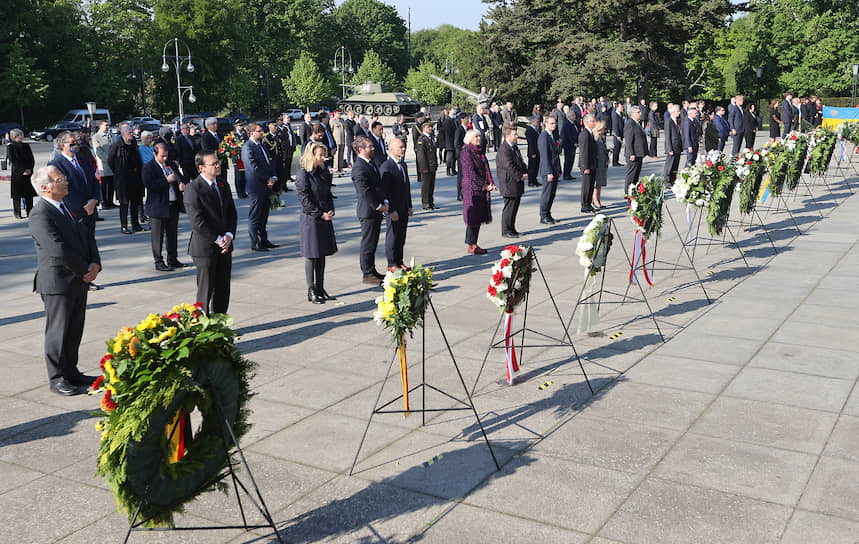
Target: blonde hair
pixel 470 135
pixel 599 127
pixel 308 158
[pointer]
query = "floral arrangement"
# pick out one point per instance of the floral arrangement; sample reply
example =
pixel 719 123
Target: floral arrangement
pixel 153 375
pixel 722 182
pixel 594 244
pixel 644 201
pixel 778 161
pixel 822 144
pixel 849 132
pixel 511 277
pixel 797 145
pixel 230 148
pixel 750 168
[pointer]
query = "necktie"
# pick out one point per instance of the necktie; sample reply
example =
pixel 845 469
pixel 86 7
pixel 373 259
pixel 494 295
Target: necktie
pixel 66 212
pixel 402 166
pixel 264 154
pixel 77 165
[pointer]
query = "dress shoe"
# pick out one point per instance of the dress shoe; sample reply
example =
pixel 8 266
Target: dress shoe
pixel 95 287
pixel 63 387
pixel 434 207
pixel 314 297
pixel 567 178
pixel 546 221
pixel 82 380
pixel 270 245
pixel 161 267
pixel 510 234
pixel 371 279
pixel 552 219
pixel 380 276
pixel 429 208
pixel 126 230
pixel 178 264
pixel 259 248
pixel 588 209
pixel 324 294
pixel 478 250
pixel 99 218
pixel 243 195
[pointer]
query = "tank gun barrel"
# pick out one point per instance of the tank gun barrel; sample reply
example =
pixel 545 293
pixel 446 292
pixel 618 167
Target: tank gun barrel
pixel 470 94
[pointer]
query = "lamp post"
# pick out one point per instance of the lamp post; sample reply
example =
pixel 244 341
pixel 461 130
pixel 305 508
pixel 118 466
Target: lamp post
pixel 138 68
pixel 853 93
pixel 450 68
pixel 759 71
pixel 341 68
pixel 265 72
pixel 177 61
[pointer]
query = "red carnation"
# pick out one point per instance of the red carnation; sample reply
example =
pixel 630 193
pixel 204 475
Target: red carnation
pixel 504 263
pixel 748 163
pixel 709 164
pixel 793 136
pixel 104 359
pixel 198 305
pixel 492 290
pixel 497 277
pixel 96 385
pixel 107 403
pixel 641 188
pixel 721 168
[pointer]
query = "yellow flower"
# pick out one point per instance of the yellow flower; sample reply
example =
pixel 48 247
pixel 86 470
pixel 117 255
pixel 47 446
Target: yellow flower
pixel 117 346
pixel 150 322
pixel 99 426
pixel 104 434
pixel 111 388
pixel 108 366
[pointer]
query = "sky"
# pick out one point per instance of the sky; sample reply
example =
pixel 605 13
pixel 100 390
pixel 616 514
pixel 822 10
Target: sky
pixel 434 13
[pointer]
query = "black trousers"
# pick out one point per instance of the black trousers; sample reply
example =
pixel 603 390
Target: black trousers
pixel 653 140
pixel 691 157
pixel 588 181
pixel 471 234
pixel 450 161
pixel 64 328
pixel 672 163
pixel 314 273
pixel 547 197
pixel 496 138
pixel 615 152
pixel 165 227
pixel 395 239
pixel 213 282
pixel 633 170
pixel 241 184
pixel 417 170
pixel 533 170
pixel 16 205
pixel 134 205
pixel 569 159
pixel 458 178
pixel 427 189
pixel 738 144
pixel 107 192
pixel 258 220
pixel 508 214
pixel 370 230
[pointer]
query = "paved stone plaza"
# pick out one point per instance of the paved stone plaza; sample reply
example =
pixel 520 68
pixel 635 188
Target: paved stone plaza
pixel 743 427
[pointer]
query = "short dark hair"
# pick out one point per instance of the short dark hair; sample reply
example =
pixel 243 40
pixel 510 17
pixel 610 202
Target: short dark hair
pixel 374 125
pixel 508 130
pixel 160 145
pixel 360 142
pixel 200 158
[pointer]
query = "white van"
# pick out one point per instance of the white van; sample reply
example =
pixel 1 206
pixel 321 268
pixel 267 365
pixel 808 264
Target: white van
pixel 80 116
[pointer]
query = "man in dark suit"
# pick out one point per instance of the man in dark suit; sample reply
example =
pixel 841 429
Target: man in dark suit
pixel 349 128
pixel 588 162
pixel 569 141
pixel 511 173
pixel 691 130
pixel 212 214
pixel 420 119
pixel 210 141
pixel 787 114
pixel 380 150
pixel 738 129
pixel 306 130
pixel 497 124
pixel 479 123
pixel 186 149
pixel 371 206
pixel 441 135
pixel 532 134
pixel 261 177
pixel 163 198
pixel 395 184
pixel 550 169
pixel 559 116
pixel 617 123
pixel 427 164
pixel 673 144
pixel 68 261
pixel 449 130
pixel 636 146
pixel 722 126
pixel 458 142
pixel 83 189
pixel 288 143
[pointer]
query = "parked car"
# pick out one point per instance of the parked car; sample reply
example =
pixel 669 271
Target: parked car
pixel 80 116
pixel 6 127
pixel 52 132
pixel 295 114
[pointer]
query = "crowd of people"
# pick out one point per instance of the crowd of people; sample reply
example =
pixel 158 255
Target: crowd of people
pixel 164 175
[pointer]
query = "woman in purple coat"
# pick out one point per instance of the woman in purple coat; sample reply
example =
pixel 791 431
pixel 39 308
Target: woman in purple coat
pixel 476 186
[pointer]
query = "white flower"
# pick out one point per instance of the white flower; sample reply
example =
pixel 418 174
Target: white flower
pixel 507 271
pixel 599 218
pixel 633 205
pixel 699 202
pixel 631 189
pixel 585 262
pixel 587 246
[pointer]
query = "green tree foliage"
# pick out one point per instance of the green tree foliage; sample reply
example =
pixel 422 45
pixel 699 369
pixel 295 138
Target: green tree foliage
pixel 436 45
pixel 23 85
pixel 374 69
pixel 423 88
pixel 305 85
pixel 365 25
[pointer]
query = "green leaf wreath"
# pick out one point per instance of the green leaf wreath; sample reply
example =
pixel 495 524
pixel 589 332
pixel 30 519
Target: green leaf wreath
pixel 401 307
pixel 153 376
pixel 751 167
pixel 645 204
pixel 722 186
pixel 823 142
pixel 799 143
pixel 778 161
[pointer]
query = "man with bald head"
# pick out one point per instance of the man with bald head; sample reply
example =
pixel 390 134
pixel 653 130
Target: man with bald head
pixel 395 184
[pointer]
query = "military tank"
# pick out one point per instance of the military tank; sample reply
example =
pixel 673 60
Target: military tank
pixel 483 98
pixel 369 98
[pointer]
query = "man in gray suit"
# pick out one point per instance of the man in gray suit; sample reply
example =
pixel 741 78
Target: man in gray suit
pixel 260 178
pixel 68 261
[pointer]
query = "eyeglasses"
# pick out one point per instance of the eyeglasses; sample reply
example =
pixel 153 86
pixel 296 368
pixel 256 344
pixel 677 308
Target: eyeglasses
pixel 61 179
pixel 211 164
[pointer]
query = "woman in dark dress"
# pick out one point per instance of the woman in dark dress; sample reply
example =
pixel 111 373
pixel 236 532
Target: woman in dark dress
pixel 750 123
pixel 775 121
pixel 653 124
pixel 711 132
pixel 313 184
pixel 21 157
pixel 476 186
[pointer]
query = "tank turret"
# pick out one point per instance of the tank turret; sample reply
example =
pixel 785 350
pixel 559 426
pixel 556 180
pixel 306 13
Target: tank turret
pixel 480 99
pixel 370 98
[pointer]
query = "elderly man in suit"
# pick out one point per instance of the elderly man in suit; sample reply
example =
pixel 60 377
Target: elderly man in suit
pixel 68 261
pixel 458 142
pixel 306 130
pixel 673 144
pixel 338 132
pixel 691 132
pixel 569 141
pixel 480 123
pixel 735 119
pixel 395 184
pixel 635 141
pixel 787 114
pixel 163 200
pixel 210 141
pixel 549 149
pixel 427 164
pixel 212 214
pixel 532 134
pixel 261 178
pixel 288 142
pixel 371 205
pixel 449 129
pixel 588 162
pixel 509 116
pixel 617 123
pixel 83 189
pixel 186 149
pixel 511 173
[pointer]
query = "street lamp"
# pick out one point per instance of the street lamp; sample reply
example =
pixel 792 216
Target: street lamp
pixel 853 93
pixel 759 71
pixel 341 54
pixel 177 61
pixel 90 106
pixel 135 68
pixel 450 68
pixel 265 72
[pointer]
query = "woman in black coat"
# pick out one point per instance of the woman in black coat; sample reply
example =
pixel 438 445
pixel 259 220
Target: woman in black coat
pixel 313 184
pixel 21 157
pixel 775 121
pixel 750 122
pixel 124 159
pixel 653 124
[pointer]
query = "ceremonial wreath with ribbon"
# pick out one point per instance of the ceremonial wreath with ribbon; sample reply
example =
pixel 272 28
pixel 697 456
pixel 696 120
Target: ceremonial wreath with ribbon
pixel 510 282
pixel 401 308
pixel 821 146
pixel 644 200
pixel 592 250
pixel 750 169
pixel 797 146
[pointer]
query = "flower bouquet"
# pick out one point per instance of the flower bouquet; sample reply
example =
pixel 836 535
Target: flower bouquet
pixel 797 145
pixel 230 148
pixel 592 249
pixel 153 375
pixel 691 186
pixel 750 168
pixel 722 182
pixel 849 132
pixel 511 279
pixel 778 161
pixel 644 201
pixel 401 308
pixel 822 144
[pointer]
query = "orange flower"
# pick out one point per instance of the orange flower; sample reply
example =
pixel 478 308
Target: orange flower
pixel 134 346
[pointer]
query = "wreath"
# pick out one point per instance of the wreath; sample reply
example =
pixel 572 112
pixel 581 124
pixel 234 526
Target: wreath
pixel 644 202
pixel 594 244
pixel 153 376
pixel 231 148
pixel 778 161
pixel 822 144
pixel 797 145
pixel 849 132
pixel 511 277
pixel 751 167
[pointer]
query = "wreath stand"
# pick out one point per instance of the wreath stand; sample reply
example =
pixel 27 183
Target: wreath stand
pixel 809 193
pixel 501 344
pixel 423 386
pixel 849 160
pixel 779 201
pixel 624 298
pixel 748 227
pixel 258 502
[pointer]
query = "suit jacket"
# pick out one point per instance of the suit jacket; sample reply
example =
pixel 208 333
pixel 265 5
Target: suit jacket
pixel 509 117
pixel 359 131
pixel 569 136
pixel 634 140
pixel 209 215
pixel 673 139
pixel 550 155
pixel 258 170
pixel 305 131
pixel 83 184
pixel 617 125
pixel 509 170
pixel 449 130
pixel 158 190
pixel 287 138
pixel 64 249
pixel 531 136
pixel 735 119
pixel 459 139
pixel 368 188
pixel 380 151
pixel 587 151
pixel 349 128
pixel 479 123
pixel 209 142
pixel 396 187
pixel 690 134
pixel 722 126
pixel 426 155
pixel 185 152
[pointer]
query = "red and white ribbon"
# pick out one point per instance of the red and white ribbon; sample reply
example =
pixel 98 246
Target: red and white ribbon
pixel 639 255
pixel 509 348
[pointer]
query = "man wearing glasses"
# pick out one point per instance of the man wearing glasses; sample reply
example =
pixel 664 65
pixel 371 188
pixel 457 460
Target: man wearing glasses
pixel 260 177
pixel 68 261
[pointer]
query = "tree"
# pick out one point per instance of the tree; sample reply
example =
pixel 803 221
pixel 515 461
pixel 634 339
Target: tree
pixel 373 69
pixel 370 24
pixel 22 84
pixel 305 84
pixel 426 90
